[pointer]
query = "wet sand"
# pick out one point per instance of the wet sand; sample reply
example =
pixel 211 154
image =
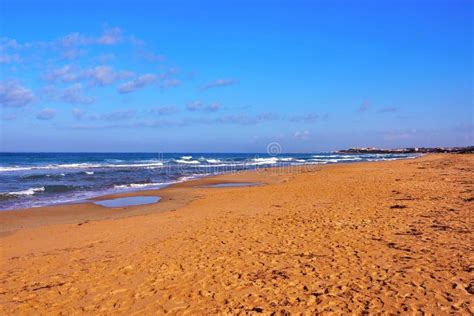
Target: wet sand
pixel 366 237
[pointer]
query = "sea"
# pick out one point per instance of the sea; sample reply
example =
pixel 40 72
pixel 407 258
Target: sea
pixel 40 179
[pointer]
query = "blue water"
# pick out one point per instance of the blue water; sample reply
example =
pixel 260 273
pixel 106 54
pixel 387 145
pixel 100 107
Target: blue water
pixel 128 201
pixel 38 179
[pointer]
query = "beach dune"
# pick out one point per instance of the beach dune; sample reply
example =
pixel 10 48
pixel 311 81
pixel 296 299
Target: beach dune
pixel 391 236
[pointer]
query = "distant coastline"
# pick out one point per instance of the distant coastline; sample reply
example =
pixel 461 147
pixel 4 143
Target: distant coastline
pixel 411 150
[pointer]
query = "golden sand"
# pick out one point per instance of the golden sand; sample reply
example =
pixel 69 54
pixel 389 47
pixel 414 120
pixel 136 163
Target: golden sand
pixel 366 237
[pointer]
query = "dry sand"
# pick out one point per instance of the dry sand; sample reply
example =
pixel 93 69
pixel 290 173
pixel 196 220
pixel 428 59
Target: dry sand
pixel 367 237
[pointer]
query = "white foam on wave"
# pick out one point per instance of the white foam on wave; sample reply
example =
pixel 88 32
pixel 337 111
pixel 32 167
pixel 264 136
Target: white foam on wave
pixel 217 165
pixel 333 156
pixel 187 161
pixel 30 191
pixel 316 162
pixel 187 157
pixel 81 166
pixel 89 172
pixel 213 161
pixel 154 164
pixel 192 177
pixel 157 184
pixel 336 159
pixel 286 159
pixel 263 161
pixel 138 185
pixel 14 168
pixel 68 166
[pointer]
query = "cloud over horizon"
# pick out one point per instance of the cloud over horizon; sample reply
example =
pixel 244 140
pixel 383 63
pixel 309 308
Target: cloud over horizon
pixel 198 106
pixel 72 94
pixel 46 114
pixel 219 83
pixel 137 83
pixel 12 94
pixel 304 135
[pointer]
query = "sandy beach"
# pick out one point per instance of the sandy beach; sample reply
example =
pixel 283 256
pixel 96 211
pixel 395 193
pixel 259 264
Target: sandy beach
pixel 379 237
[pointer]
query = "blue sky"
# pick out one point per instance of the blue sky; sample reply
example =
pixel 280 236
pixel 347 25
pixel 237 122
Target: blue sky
pixel 207 76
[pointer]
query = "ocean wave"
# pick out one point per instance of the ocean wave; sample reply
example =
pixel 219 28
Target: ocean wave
pixel 286 159
pixel 48 167
pixel 316 162
pixel 335 160
pixel 213 161
pixel 138 185
pixel 80 166
pixel 218 165
pixel 263 161
pixel 30 191
pixel 191 177
pixel 334 156
pixel 155 184
pixel 16 168
pixel 154 164
pixel 187 161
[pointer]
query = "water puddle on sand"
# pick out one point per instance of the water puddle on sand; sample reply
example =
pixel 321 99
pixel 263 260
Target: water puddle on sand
pixel 232 184
pixel 128 201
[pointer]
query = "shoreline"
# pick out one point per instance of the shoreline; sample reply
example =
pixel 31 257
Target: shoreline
pixel 47 184
pixel 342 238
pixel 171 197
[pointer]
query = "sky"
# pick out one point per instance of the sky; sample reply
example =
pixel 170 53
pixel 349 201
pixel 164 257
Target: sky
pixel 234 76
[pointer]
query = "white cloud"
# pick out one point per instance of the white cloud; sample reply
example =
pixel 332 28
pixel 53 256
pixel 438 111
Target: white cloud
pixel 219 83
pixel 195 106
pixel 10 58
pixel 75 95
pixel 101 75
pixel 307 118
pixel 66 73
pixel 74 39
pixel 72 94
pixel 72 53
pixel 13 94
pixel 164 110
pixel 304 135
pixel 169 83
pixel 95 76
pixel 110 36
pixel 137 83
pixel 244 119
pixel 78 113
pixel 198 106
pixel 118 115
pixel 46 114
pixel 213 107
pixel 8 43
